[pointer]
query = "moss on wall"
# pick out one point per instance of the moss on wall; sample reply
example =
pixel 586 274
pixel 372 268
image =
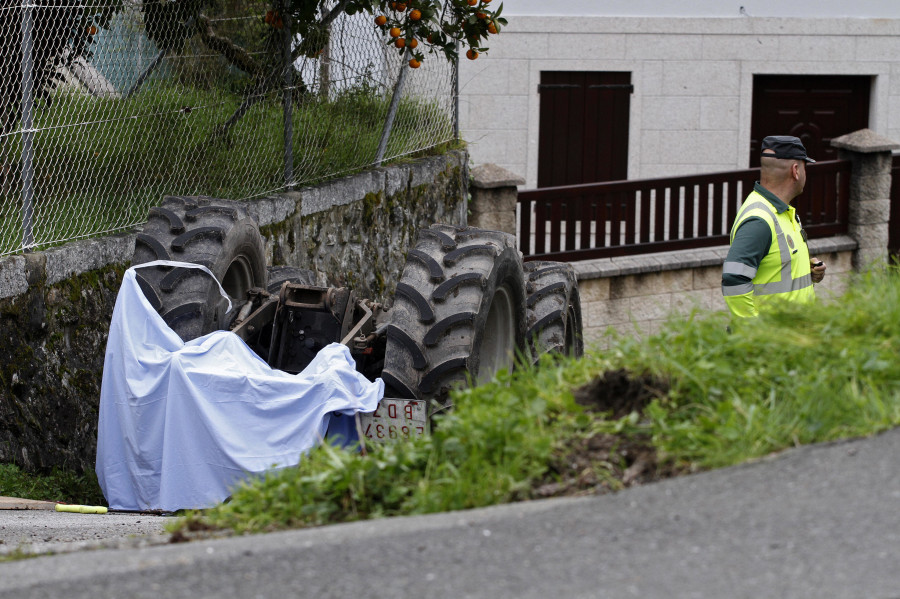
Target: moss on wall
pixel 282 241
pixel 52 342
pixel 363 245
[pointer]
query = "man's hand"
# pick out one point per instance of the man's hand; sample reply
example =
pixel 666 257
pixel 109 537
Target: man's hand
pixel 817 270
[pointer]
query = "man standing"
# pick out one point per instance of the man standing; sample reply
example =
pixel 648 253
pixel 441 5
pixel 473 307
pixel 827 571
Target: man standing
pixel 769 258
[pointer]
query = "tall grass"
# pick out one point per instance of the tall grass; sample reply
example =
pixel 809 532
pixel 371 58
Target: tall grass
pixel 100 163
pixel 793 376
pixel 801 374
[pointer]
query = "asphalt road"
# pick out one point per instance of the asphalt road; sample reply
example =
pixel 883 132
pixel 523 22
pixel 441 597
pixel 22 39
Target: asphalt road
pixel 38 531
pixel 816 522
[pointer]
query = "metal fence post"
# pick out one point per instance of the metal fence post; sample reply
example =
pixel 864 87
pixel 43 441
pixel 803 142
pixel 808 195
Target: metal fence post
pixel 456 96
pixel 27 128
pixel 288 100
pixel 392 110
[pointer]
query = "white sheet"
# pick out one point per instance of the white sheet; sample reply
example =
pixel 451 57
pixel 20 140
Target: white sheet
pixel 181 423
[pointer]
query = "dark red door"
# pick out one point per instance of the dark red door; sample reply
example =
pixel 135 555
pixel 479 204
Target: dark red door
pixel 583 136
pixel 815 108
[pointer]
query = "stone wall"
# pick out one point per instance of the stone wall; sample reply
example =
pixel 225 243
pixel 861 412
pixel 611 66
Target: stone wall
pixel 363 244
pixel 638 295
pixel 55 305
pixel 52 338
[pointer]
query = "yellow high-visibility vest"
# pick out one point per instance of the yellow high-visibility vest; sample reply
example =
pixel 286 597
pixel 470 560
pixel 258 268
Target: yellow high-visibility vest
pixel 784 272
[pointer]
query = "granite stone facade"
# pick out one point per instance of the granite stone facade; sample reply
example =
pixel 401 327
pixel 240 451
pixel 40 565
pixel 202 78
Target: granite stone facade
pixel 637 295
pixel 693 81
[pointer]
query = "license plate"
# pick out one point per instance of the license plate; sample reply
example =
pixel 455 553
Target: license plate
pixel 395 419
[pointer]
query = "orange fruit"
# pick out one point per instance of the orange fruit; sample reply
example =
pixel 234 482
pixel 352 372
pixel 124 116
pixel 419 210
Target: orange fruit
pixel 380 20
pixel 395 32
pixel 492 28
pixel 413 43
pixel 472 54
pixel 92 30
pixel 414 64
pixel 473 2
pixel 400 42
pixel 401 7
pixel 415 14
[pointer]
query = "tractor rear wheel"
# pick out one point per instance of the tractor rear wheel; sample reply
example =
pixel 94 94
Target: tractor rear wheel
pixel 458 313
pixel 218 234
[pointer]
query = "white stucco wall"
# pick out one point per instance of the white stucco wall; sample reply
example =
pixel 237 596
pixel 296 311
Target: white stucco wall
pixel 693 78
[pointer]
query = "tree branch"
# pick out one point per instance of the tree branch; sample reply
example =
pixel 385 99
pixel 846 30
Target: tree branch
pixel 335 12
pixel 233 53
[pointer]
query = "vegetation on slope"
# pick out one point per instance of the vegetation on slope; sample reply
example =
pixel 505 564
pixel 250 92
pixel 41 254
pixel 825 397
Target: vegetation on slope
pixel 695 396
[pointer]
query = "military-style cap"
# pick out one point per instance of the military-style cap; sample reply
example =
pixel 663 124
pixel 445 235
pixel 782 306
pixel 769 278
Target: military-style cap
pixel 785 146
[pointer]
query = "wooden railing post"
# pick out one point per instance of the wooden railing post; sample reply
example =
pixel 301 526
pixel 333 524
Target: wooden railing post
pixel 870 192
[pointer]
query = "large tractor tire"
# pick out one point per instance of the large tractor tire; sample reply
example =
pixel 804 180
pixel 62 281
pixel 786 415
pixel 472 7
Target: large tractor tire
pixel 218 234
pixel 458 313
pixel 553 308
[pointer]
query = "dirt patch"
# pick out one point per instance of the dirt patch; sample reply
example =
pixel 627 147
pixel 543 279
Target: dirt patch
pixel 196 529
pixel 605 462
pixel 620 393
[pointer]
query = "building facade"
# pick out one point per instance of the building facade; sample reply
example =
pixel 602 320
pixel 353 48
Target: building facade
pixel 591 90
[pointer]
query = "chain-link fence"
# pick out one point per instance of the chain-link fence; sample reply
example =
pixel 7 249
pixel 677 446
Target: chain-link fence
pixel 106 108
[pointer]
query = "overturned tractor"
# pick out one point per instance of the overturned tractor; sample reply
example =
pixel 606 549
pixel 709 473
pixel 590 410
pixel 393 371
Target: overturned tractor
pixel 464 307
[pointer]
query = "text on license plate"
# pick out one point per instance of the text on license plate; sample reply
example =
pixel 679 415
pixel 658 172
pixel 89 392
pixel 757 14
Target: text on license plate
pixel 395 419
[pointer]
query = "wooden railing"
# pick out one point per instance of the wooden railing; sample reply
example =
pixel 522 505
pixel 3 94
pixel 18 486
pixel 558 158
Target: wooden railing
pixel 599 220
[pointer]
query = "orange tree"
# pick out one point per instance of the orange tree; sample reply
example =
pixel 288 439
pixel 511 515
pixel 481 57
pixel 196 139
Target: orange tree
pixel 414 26
pixel 64 29
pixel 435 25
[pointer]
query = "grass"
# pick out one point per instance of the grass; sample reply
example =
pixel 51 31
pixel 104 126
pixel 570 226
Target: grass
pixel 483 453
pixel 801 374
pixel 100 163
pixel 796 376
pixel 58 485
